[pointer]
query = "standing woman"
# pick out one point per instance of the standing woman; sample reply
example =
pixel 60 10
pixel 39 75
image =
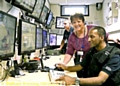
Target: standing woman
pixel 78 40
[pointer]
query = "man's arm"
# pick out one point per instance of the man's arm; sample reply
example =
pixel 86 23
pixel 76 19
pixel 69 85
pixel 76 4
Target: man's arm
pixel 62 44
pixel 99 80
pixel 70 68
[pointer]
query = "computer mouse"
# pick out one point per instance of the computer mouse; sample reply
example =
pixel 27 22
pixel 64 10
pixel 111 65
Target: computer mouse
pixel 58 69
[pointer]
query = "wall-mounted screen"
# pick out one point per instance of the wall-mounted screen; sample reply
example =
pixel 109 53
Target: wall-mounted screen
pixel 7 35
pixel 44 38
pixel 60 22
pixel 51 23
pixel 27 5
pixel 26 37
pixel 59 39
pixel 53 39
pixel 39 38
pixel 37 9
pixel 43 15
pixel 49 18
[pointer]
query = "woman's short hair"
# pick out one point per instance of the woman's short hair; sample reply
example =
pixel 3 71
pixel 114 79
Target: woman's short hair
pixel 77 15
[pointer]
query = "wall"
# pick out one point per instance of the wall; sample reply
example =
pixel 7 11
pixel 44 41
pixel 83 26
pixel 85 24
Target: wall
pixel 94 15
pixel 114 29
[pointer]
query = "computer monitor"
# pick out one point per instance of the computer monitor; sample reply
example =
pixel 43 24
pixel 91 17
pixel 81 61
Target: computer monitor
pixel 43 15
pixel 48 38
pixel 44 38
pixel 39 38
pixel 60 22
pixel 53 39
pixel 59 39
pixel 26 37
pixel 26 5
pixel 37 9
pixel 49 18
pixel 7 35
pixel 51 23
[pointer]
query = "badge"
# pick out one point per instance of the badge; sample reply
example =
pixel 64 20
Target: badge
pixel 80 53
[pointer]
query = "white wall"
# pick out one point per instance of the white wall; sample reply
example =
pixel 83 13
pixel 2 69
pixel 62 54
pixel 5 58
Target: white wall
pixel 94 15
pixel 114 29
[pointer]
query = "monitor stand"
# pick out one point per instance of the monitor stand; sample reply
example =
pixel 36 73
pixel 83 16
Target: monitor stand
pixel 43 68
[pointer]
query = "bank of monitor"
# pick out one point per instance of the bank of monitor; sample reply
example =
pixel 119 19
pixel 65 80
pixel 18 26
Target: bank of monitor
pixel 39 38
pixel 7 35
pixel 44 38
pixel 37 9
pixel 26 37
pixel 59 39
pixel 52 39
pixel 26 5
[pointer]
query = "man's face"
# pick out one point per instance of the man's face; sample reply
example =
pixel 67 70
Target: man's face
pixel 66 24
pixel 94 38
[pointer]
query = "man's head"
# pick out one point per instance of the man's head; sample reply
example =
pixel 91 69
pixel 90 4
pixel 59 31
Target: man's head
pixel 97 36
pixel 66 24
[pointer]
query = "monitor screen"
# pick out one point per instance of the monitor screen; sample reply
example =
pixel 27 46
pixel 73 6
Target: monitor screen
pixel 26 37
pixel 51 23
pixel 53 39
pixel 44 37
pixel 37 9
pixel 27 5
pixel 44 14
pixel 39 38
pixel 50 16
pixel 60 22
pixel 7 35
pixel 48 38
pixel 59 39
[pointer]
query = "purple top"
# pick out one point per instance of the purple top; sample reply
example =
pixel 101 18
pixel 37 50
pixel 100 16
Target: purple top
pixel 75 43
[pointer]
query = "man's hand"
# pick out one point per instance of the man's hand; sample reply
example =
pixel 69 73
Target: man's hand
pixel 67 79
pixel 58 49
pixel 60 65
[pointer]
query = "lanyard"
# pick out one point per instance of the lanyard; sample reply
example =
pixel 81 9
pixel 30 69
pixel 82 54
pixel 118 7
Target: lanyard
pixel 83 39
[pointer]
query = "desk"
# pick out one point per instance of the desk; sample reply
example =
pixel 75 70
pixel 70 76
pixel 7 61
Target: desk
pixel 37 78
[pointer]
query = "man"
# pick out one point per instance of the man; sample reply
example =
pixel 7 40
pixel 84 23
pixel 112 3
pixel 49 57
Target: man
pixel 101 64
pixel 67 32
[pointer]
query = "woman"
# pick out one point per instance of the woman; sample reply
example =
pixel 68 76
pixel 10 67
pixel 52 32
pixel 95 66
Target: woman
pixel 78 40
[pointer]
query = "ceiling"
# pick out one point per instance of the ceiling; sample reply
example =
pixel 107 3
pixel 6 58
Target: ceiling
pixel 75 2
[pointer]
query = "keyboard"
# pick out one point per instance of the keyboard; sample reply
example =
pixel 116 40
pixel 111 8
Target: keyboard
pixel 54 74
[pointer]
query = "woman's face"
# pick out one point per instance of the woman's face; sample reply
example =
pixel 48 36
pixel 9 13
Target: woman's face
pixel 78 24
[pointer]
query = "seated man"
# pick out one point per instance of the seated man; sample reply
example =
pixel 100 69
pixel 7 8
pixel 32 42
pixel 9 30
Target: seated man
pixel 101 64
